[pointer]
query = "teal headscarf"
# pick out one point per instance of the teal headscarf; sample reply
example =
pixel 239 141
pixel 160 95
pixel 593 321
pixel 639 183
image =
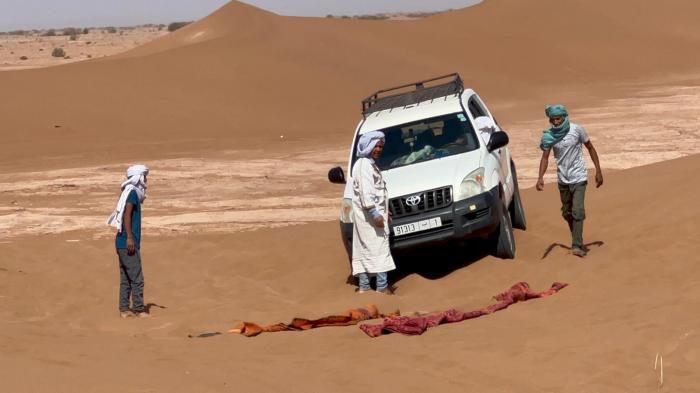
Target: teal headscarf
pixel 554 134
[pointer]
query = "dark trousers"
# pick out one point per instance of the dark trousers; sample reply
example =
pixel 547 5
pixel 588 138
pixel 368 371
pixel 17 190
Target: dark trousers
pixel 131 281
pixel 573 211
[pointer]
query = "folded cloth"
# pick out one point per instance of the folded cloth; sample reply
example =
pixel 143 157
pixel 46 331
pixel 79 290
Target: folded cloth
pixel 136 181
pixel 349 317
pixel 519 292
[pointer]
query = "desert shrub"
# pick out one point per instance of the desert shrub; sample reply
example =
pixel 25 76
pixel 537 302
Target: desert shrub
pixel 23 58
pixel 330 16
pixel 70 31
pixel 177 25
pixel 372 17
pixel 73 37
pixel 50 33
pixel 58 52
pixel 17 32
pixel 85 30
pixel 111 29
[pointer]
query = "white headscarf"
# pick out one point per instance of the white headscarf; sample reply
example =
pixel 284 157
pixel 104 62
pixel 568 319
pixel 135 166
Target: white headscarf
pixel 486 127
pixel 367 143
pixel 136 181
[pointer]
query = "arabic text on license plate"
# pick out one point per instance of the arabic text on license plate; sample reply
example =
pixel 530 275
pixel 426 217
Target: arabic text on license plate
pixel 417 226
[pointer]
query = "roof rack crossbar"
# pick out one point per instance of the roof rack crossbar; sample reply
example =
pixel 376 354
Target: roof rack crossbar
pixel 378 101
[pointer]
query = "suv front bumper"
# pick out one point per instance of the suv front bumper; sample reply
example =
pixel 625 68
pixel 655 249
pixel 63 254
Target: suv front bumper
pixel 475 217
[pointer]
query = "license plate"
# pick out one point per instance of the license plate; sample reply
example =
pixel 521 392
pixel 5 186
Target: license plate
pixel 417 226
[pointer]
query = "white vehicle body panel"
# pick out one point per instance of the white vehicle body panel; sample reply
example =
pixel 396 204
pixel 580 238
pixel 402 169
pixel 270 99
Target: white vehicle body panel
pixel 440 172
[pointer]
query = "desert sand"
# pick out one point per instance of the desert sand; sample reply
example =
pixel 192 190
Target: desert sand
pixel 34 49
pixel 241 114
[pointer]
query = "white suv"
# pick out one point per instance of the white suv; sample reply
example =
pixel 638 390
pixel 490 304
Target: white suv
pixel 444 182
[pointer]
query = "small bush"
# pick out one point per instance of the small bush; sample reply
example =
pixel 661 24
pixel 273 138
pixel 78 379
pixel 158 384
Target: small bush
pixel 177 25
pixel 372 17
pixel 111 29
pixel 73 37
pixel 50 33
pixel 23 58
pixel 70 31
pixel 58 52
pixel 85 30
pixel 18 32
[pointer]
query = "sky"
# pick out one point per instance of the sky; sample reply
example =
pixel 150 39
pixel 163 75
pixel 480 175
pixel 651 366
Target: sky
pixel 38 14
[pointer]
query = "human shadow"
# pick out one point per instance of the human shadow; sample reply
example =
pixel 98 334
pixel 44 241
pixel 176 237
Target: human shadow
pixel 149 305
pixel 586 247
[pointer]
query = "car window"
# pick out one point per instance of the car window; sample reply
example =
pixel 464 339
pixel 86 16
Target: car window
pixel 475 107
pixel 427 139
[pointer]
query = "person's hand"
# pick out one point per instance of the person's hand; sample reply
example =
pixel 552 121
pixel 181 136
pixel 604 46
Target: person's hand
pixel 379 221
pixel 130 246
pixel 598 179
pixel 540 184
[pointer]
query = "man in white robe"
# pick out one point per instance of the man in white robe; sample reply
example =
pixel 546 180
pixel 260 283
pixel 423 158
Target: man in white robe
pixel 370 245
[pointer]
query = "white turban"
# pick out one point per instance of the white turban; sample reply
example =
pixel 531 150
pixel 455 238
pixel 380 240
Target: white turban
pixel 367 143
pixel 136 181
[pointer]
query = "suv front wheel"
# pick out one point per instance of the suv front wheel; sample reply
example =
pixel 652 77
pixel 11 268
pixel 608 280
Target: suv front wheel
pixel 503 241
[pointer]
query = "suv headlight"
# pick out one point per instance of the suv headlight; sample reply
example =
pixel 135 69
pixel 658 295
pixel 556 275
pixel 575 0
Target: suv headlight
pixel 472 184
pixel 346 211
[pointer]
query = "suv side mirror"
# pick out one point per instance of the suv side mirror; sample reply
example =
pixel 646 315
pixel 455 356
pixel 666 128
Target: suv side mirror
pixel 497 141
pixel 336 175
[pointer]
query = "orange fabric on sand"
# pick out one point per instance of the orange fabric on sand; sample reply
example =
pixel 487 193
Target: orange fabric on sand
pixel 349 317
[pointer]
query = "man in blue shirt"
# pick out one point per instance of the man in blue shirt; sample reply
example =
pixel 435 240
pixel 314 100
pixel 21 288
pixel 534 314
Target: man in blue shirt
pixel 127 218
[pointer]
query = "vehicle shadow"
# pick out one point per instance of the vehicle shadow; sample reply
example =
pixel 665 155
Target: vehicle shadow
pixel 431 263
pixel 586 246
pixel 435 263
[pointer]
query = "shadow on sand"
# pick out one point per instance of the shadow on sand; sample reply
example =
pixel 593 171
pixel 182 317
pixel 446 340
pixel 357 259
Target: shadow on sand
pixel 149 305
pixel 433 263
pixel 586 246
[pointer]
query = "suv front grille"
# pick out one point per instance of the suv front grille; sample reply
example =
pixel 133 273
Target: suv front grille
pixel 427 200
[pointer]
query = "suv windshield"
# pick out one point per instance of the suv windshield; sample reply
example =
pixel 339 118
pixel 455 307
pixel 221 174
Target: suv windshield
pixel 426 140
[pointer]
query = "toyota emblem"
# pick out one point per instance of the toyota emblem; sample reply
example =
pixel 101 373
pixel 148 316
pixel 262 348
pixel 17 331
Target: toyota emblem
pixel 413 200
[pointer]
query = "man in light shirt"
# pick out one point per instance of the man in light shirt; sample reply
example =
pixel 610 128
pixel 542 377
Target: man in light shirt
pixel 567 139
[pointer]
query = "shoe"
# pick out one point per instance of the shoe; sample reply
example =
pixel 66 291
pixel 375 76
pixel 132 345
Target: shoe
pixel 126 314
pixel 358 290
pixel 578 252
pixel 143 314
pixel 386 291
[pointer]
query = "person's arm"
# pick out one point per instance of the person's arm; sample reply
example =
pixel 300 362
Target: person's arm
pixel 130 244
pixel 367 198
pixel 543 169
pixel 594 157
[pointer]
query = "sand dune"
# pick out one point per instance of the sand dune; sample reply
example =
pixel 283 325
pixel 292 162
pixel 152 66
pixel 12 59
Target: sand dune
pixel 240 223
pixel 261 75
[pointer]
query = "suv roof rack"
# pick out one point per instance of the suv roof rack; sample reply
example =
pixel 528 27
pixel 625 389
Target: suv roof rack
pixel 378 101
